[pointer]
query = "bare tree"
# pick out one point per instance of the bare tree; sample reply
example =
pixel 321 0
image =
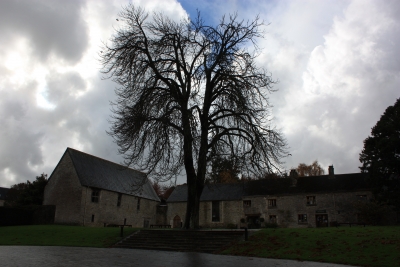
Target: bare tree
pixel 188 92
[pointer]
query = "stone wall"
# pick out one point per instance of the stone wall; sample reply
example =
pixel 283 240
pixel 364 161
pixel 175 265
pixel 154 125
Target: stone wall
pixel 175 210
pixel 64 191
pixel 106 210
pixel 230 214
pixel 74 202
pixel 335 207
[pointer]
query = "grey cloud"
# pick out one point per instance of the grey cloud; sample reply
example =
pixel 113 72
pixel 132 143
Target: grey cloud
pixel 21 135
pixel 51 26
pixel 61 86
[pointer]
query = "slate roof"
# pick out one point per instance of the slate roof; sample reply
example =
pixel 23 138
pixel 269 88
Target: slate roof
pixel 309 184
pixel 103 174
pixel 3 192
pixel 281 186
pixel 210 192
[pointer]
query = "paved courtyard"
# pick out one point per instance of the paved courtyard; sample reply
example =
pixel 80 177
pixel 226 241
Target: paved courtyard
pixel 73 256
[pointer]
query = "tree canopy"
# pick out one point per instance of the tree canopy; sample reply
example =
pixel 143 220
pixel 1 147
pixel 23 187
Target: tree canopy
pixel 310 170
pixel 29 193
pixel 188 92
pixel 380 156
pixel 223 170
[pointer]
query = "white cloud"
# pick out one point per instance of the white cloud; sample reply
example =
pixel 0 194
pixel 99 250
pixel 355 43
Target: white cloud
pixel 336 62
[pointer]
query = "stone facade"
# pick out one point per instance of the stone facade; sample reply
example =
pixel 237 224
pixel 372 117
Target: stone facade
pixel 107 211
pixel 230 213
pixel 289 202
pixel 312 210
pixel 93 203
pixel 65 192
pixel 332 207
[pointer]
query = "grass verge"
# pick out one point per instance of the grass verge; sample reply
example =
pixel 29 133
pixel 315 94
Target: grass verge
pixel 61 235
pixel 362 246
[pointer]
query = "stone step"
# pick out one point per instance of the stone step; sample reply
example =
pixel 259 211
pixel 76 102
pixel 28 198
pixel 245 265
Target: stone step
pixel 181 240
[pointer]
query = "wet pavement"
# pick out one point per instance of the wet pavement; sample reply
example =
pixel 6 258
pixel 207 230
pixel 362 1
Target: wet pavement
pixel 73 256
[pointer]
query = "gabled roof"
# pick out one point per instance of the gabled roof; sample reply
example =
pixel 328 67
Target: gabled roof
pixel 3 193
pixel 279 186
pixel 103 174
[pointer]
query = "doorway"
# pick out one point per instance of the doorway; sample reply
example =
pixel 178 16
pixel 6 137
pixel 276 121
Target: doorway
pixel 177 222
pixel 321 220
pixel 253 222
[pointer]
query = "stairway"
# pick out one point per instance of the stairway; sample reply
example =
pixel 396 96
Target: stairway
pixel 181 240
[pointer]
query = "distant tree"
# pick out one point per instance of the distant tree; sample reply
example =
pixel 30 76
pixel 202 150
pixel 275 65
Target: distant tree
pixel 224 170
pixel 157 188
pixel 190 91
pixel 310 170
pixel 162 191
pixel 29 193
pixel 380 157
pixel 168 191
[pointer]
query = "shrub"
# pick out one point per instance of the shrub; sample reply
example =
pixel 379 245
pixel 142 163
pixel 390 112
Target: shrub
pixel 271 225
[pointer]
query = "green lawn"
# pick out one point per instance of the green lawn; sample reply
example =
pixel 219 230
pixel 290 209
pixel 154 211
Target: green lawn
pixel 364 246
pixel 60 235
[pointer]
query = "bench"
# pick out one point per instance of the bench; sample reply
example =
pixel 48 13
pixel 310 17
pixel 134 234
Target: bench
pixel 160 226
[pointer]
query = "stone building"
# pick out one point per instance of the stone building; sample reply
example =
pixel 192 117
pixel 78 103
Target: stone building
pixel 88 190
pixel 313 201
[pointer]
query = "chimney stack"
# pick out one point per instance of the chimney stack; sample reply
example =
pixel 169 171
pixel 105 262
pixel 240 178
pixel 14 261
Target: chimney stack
pixel 331 172
pixel 293 177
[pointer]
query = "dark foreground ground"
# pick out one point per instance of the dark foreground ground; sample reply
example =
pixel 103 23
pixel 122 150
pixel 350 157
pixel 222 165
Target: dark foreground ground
pixel 44 256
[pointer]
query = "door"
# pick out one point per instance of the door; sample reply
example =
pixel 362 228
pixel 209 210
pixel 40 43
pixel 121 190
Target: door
pixel 321 220
pixel 253 222
pixel 177 222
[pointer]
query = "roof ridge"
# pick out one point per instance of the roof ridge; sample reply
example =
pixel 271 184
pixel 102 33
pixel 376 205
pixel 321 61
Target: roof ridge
pixel 109 161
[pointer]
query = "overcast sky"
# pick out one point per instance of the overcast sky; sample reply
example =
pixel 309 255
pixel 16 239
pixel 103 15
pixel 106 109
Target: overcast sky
pixel 337 62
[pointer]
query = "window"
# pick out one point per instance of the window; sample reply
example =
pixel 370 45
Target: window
pixel 272 218
pixel 311 201
pixel 215 211
pixel 138 204
pixel 246 203
pixel 119 199
pixel 302 218
pixel 271 203
pixel 95 195
pixel 92 217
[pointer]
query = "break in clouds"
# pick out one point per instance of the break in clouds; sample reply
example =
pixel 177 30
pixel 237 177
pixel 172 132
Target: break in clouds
pixel 336 63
